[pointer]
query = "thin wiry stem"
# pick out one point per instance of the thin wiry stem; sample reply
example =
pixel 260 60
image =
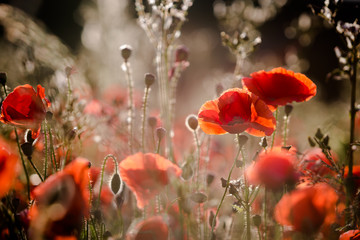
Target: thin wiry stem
pixel 225 191
pixel 46 150
pixel 274 133
pixel 23 163
pixel 146 95
pixel 131 106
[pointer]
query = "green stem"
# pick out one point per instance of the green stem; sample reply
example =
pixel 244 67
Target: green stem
pixel 131 106
pixel 46 150
pixel 35 168
pixel 225 191
pixel 23 163
pixel 265 212
pixel 146 95
pixel 52 148
pixel 103 170
pixel 273 135
pixel 197 172
pixel 286 121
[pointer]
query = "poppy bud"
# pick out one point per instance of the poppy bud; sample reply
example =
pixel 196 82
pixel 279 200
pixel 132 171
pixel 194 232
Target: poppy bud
pixel 48 115
pixel 160 133
pixel 209 178
pixel 125 51
pixel 319 134
pixel 115 183
pixel 311 142
pixel 219 89
pixel 187 171
pixel 256 220
pixel 27 149
pixel 233 191
pixel 286 148
pixel 198 197
pixel 71 134
pixel 263 142
pixel 191 122
pixel 152 121
pixel 223 182
pixel 242 139
pixel 181 54
pixel 288 109
pixel 326 140
pixel 149 79
pixel 28 136
pixel 3 78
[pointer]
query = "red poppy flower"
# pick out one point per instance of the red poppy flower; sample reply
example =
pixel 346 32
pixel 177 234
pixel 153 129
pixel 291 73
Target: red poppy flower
pixel 273 169
pixel 280 86
pixel 61 202
pixel 350 235
pixel 316 162
pixel 8 168
pixel 153 228
pixel 25 108
pixel 146 175
pixel 308 209
pixel 235 111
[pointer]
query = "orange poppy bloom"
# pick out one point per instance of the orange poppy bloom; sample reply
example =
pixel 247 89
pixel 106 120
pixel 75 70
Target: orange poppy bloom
pixel 350 235
pixel 235 111
pixel 307 209
pixel 153 228
pixel 146 175
pixel 273 169
pixel 8 168
pixel 61 202
pixel 25 108
pixel 280 86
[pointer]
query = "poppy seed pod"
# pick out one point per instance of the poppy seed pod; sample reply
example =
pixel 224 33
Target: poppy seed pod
pixel 256 220
pixel 242 139
pixel 149 79
pixel 160 133
pixel 288 109
pixel 125 51
pixel 3 78
pixel 192 122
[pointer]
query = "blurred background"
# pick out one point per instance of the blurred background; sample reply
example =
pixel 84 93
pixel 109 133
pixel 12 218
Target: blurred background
pixel 38 44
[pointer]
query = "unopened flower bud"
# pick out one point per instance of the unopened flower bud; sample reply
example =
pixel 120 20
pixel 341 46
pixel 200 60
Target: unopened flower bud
pixel 212 218
pixel 209 178
pixel 256 220
pixel 152 121
pixel 242 139
pixel 187 171
pixel 319 134
pixel 191 122
pixel 3 78
pixel 27 149
pixel 181 54
pixel 288 109
pixel 160 133
pixel 263 142
pixel 326 140
pixel 198 197
pixel 125 51
pixel 239 163
pixel 219 89
pixel 223 182
pixel 311 142
pixel 233 191
pixel 28 136
pixel 149 79
pixel 115 183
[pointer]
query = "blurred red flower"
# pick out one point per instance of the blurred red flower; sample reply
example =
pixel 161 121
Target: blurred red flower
pixel 235 111
pixel 307 209
pixel 61 202
pixel 8 168
pixel 280 86
pixel 25 108
pixel 146 175
pixel 273 169
pixel 350 235
pixel 153 228
pixel 316 162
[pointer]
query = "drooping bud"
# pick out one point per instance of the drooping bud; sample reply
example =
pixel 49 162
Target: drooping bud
pixel 311 142
pixel 181 54
pixel 187 171
pixel 209 178
pixel 149 79
pixel 326 140
pixel 3 78
pixel 27 149
pixel 223 182
pixel 263 142
pixel 288 109
pixel 115 183
pixel 198 197
pixel 152 121
pixel 160 133
pixel 28 136
pixel 212 218
pixel 256 220
pixel 191 122
pixel 319 134
pixel 242 139
pixel 125 51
